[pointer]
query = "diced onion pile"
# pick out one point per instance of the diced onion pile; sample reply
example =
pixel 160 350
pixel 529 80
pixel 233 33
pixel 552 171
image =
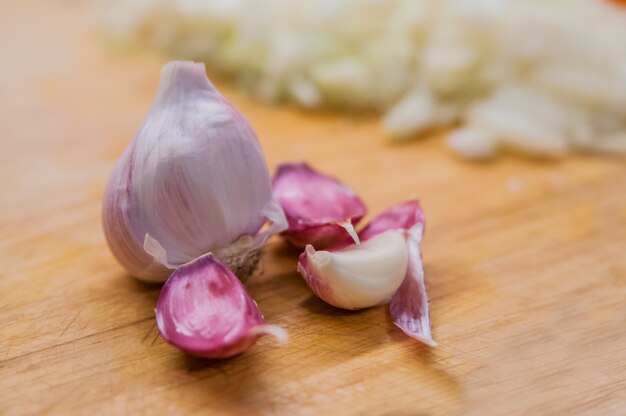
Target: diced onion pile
pixel 538 76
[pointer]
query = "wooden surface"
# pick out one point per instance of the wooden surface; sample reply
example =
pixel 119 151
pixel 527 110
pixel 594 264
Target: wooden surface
pixel 524 259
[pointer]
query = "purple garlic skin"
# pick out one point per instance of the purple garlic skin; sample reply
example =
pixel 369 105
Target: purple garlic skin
pixel 204 310
pixel 402 216
pixel 319 209
pixel 194 180
pixel 409 305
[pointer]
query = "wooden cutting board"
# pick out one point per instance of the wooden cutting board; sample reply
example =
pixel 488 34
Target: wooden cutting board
pixel 525 262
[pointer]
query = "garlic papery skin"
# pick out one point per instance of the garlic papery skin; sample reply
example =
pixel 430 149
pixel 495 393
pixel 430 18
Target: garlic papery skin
pixel 357 276
pixel 409 305
pixel 404 216
pixel 194 180
pixel 321 211
pixel 204 310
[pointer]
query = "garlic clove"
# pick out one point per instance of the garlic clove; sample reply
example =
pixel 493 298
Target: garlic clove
pixel 204 310
pixel 409 305
pixel 194 180
pixel 357 276
pixel 319 209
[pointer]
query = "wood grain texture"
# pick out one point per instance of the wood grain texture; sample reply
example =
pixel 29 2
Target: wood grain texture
pixel 524 259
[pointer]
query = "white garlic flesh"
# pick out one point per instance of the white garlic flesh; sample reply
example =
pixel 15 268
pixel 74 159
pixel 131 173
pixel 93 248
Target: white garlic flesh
pixel 359 275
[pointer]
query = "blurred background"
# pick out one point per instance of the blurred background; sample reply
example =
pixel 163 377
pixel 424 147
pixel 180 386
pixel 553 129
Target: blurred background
pixel 538 77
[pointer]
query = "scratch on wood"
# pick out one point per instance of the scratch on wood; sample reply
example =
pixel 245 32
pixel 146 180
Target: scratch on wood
pixel 21 356
pixel 71 322
pixel 222 371
pixel 147 333
pixel 55 404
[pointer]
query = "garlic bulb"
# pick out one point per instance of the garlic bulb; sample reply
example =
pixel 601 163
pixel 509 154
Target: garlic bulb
pixel 204 310
pixel 357 276
pixel 319 209
pixel 194 180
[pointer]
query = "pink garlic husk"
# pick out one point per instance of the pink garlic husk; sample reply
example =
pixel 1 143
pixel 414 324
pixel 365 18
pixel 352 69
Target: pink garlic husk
pixel 204 310
pixel 194 180
pixel 320 210
pixel 409 305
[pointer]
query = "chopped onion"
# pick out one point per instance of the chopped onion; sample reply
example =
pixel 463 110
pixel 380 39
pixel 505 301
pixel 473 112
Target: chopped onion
pixel 426 63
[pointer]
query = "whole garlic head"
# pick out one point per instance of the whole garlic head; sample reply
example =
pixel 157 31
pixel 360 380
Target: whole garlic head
pixel 194 180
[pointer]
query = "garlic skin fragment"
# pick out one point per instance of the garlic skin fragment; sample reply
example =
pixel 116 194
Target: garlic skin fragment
pixel 194 180
pixel 357 276
pixel 204 310
pixel 320 210
pixel 409 305
pixel 403 216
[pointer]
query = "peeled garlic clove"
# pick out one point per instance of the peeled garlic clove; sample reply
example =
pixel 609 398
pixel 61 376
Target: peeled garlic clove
pixel 204 310
pixel 194 180
pixel 409 305
pixel 319 209
pixel 357 276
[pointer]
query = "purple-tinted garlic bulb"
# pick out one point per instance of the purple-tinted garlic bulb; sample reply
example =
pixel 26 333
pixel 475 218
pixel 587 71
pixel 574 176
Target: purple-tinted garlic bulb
pixel 194 180
pixel 319 209
pixel 204 310
pixel 409 305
